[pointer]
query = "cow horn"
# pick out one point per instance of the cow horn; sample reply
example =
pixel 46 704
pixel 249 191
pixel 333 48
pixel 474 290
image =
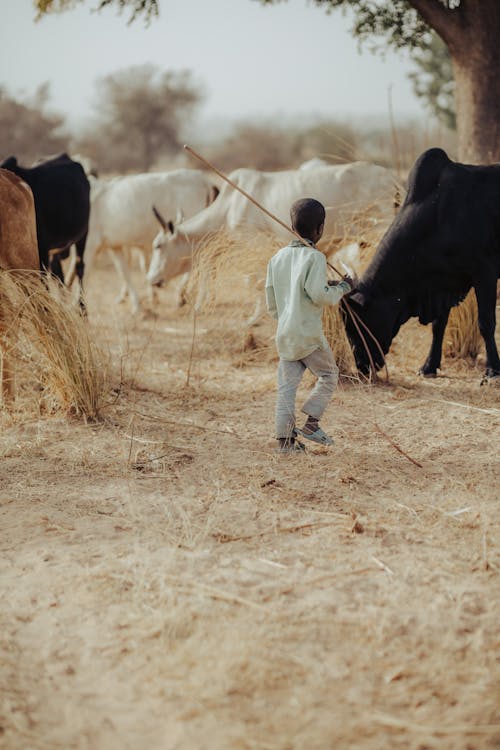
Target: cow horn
pixel 160 218
pixel 180 216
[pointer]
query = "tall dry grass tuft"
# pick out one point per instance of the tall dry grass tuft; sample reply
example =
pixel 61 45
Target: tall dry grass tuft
pixel 334 328
pixel 230 267
pixel 462 338
pixel 49 343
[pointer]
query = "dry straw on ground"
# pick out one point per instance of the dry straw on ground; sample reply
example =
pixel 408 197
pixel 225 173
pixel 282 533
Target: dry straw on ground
pixel 50 344
pixel 177 584
pixel 462 338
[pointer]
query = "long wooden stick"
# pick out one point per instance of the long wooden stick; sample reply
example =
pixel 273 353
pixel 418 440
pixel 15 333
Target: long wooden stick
pixel 251 199
pixel 296 234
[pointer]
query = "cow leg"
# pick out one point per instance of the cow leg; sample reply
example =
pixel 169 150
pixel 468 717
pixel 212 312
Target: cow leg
pixel 183 295
pixel 56 267
pixel 141 259
pixel 152 295
pixel 80 270
pixel 433 362
pixel 486 293
pixel 122 270
pixel 70 276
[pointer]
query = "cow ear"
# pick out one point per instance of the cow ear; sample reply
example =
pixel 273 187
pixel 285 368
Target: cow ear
pixel 214 192
pixel 171 228
pixel 159 218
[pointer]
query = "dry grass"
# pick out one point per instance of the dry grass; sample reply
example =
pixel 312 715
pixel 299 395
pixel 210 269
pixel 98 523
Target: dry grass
pixel 50 344
pixel 178 585
pixel 231 268
pixel 462 337
pixel 227 267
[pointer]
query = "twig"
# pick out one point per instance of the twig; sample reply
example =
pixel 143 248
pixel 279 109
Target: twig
pixel 271 562
pixel 382 565
pixel 228 432
pixel 157 458
pixel 214 593
pixel 486 564
pixel 394 133
pixel 131 441
pixel 224 538
pixel 319 579
pixel 192 349
pixel 393 721
pixel 466 406
pixel 142 440
pixel 400 450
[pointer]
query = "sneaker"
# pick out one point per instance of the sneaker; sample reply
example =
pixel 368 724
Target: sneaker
pixel 318 436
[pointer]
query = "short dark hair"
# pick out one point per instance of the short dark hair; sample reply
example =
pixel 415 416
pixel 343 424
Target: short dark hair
pixel 307 214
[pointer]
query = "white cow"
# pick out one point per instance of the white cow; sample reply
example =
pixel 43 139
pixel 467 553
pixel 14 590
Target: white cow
pixel 346 191
pixel 121 213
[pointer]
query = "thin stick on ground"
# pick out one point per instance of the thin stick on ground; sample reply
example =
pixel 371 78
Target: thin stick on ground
pixel 396 447
pixel 224 538
pixel 486 564
pixel 188 376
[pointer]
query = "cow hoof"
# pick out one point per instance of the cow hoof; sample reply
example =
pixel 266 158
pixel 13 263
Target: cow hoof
pixel 424 374
pixel 491 379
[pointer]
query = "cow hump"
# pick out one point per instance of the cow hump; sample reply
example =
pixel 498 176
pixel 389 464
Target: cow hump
pixel 426 173
pixel 9 163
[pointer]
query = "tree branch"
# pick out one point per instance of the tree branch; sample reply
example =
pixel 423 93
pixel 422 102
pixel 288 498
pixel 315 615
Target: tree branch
pixel 443 20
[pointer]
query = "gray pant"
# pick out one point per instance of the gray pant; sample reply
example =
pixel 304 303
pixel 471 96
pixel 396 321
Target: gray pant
pixel 322 364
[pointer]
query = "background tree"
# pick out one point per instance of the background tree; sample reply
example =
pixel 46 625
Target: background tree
pixel 147 8
pixel 268 146
pixel 27 129
pixel 141 113
pixel 470 30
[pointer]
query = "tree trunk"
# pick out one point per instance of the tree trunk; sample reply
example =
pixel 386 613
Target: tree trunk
pixel 476 64
pixel 471 31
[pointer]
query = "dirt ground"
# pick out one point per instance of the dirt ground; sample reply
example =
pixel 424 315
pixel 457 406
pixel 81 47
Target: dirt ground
pixel 168 582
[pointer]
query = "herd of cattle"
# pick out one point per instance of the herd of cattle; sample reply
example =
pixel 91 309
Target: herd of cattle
pixel 444 240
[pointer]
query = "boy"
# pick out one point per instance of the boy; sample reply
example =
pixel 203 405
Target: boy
pixel 297 287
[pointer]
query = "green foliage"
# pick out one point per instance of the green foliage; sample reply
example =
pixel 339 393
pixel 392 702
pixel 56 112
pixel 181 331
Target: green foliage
pixel 394 20
pixel 27 129
pixel 147 8
pixel 141 111
pixel 434 81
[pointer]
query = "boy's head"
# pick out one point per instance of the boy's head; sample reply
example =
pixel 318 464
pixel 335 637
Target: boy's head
pixel 308 218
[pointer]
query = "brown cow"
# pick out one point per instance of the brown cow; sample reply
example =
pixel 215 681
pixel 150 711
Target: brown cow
pixel 18 246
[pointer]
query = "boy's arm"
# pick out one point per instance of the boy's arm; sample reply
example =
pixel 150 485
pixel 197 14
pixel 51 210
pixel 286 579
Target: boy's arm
pixel 316 285
pixel 270 297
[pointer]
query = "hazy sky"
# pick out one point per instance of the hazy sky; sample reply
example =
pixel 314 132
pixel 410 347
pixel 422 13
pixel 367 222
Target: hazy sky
pixel 253 61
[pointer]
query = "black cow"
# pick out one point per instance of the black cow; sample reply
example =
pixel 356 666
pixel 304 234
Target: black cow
pixel 62 204
pixel 444 241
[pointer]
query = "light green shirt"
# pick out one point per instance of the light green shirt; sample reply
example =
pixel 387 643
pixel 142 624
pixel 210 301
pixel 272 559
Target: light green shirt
pixel 296 291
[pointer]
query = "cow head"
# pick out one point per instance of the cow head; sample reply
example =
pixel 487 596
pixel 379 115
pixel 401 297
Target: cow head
pixel 372 323
pixel 166 263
